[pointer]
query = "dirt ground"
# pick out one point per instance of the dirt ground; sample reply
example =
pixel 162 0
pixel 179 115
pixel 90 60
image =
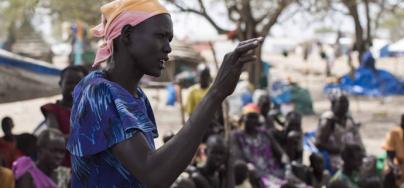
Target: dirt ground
pixel 377 115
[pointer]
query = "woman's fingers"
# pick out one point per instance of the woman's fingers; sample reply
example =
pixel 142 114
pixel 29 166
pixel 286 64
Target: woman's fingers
pixel 247 59
pixel 248 53
pixel 240 50
pixel 250 40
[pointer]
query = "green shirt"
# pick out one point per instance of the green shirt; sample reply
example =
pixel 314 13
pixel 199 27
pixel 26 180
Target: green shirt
pixel 351 181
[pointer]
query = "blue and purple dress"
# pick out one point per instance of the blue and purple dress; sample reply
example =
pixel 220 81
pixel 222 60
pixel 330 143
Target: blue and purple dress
pixel 105 114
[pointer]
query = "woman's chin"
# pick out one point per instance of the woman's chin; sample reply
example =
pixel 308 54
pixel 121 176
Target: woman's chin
pixel 155 73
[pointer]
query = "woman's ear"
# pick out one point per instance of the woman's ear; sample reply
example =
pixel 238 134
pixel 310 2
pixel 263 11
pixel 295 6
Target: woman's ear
pixel 125 34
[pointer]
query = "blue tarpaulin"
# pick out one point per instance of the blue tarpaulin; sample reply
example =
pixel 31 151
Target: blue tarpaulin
pixel 369 81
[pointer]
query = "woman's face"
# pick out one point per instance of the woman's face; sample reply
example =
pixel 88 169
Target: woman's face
pixel 251 121
pixel 149 45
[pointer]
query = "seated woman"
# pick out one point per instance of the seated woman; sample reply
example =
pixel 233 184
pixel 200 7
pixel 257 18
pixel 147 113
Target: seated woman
pixel 336 129
pixel 46 172
pixel 257 147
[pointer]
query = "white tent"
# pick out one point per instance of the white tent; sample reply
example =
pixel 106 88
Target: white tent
pixel 397 46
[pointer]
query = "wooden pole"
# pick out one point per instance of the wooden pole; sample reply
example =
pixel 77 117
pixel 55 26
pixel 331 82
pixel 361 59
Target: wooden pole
pixel 181 105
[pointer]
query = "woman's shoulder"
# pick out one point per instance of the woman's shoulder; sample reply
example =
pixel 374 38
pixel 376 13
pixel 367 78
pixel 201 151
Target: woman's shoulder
pixel 95 86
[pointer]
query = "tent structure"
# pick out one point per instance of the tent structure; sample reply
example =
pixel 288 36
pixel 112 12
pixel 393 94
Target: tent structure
pixel 397 47
pixel 369 81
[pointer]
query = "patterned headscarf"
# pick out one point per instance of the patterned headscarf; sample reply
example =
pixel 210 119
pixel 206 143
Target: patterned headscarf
pixel 251 108
pixel 117 14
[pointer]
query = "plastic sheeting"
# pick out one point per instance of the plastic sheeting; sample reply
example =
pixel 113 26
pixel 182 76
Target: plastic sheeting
pixel 369 81
pixel 283 93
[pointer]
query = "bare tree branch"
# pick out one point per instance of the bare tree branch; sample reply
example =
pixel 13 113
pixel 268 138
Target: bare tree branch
pixel 202 13
pixel 274 17
pixel 231 9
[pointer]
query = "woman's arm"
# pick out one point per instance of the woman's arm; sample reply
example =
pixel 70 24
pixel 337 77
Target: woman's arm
pixel 160 168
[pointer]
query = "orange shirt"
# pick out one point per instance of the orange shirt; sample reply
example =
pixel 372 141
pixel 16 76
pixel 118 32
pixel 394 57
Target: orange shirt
pixel 6 178
pixel 395 142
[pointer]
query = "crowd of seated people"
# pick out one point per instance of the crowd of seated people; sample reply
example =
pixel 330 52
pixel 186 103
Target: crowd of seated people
pixel 261 150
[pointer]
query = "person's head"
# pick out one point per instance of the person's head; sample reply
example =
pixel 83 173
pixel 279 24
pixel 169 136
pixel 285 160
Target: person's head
pixel 204 77
pixel 402 121
pixel 146 46
pixel 340 105
pixel 137 37
pixel 7 125
pixel 51 148
pixel 70 77
pixel 27 144
pixel 352 155
pixel 317 162
pixel 240 172
pixel 293 121
pixel 167 137
pixel 216 152
pixel 251 122
pixel 250 117
pixel 264 103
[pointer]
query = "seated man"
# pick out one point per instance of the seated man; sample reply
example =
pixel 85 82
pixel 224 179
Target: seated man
pixel 257 147
pixel 336 129
pixel 352 156
pixel 211 175
pixel 46 171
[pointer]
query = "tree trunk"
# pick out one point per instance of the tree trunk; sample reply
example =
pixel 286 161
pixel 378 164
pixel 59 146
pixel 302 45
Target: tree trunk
pixel 360 43
pixel 368 24
pixel 254 69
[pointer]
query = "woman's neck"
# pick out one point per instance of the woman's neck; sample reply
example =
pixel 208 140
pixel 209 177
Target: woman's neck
pixel 126 77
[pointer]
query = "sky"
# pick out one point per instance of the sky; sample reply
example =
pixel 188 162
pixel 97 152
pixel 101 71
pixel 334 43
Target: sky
pixel 195 28
pixel 301 25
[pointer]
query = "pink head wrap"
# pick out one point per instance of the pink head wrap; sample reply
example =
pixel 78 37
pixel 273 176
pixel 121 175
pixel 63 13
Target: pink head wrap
pixel 117 14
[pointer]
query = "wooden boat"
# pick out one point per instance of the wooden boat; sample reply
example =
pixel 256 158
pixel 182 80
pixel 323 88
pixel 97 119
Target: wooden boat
pixel 23 78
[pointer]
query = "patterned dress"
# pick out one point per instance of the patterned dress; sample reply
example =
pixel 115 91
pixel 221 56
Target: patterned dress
pixel 257 150
pixel 103 115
